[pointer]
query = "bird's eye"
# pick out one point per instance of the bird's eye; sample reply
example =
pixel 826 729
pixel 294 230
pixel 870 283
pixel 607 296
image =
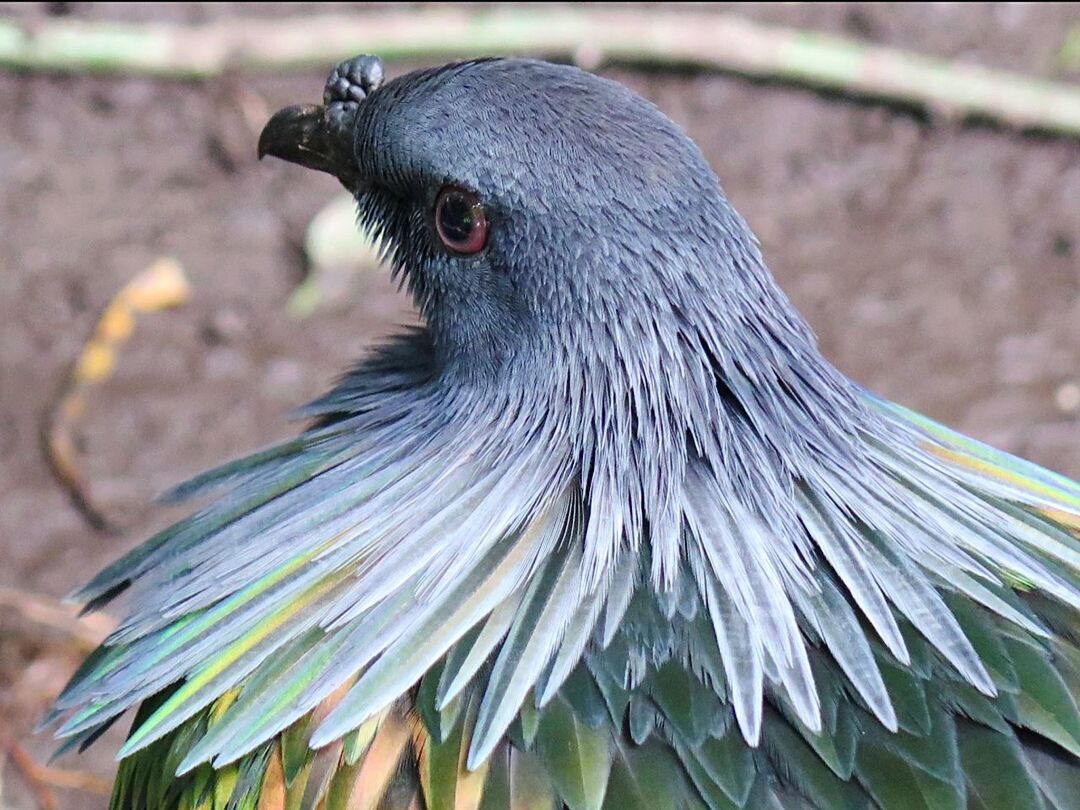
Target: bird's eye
pixel 460 221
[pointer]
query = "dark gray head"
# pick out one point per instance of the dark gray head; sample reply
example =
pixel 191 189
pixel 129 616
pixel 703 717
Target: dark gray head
pixel 595 202
pixel 577 263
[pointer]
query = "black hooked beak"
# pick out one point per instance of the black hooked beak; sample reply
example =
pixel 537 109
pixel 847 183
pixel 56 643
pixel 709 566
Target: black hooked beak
pixel 304 134
pixel 320 137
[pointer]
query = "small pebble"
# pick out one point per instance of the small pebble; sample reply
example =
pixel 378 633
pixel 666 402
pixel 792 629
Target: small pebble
pixel 1067 397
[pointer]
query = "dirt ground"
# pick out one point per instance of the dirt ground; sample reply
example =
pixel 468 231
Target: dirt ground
pixel 939 264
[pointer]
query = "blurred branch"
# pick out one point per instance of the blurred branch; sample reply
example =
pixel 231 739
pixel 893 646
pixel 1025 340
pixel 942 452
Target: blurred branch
pixel 683 37
pixel 42 778
pixel 161 285
pixel 25 764
pixel 89 630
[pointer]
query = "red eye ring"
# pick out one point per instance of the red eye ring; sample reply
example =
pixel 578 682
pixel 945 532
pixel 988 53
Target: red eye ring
pixel 460 221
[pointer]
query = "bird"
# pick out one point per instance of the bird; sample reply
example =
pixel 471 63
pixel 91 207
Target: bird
pixel 605 532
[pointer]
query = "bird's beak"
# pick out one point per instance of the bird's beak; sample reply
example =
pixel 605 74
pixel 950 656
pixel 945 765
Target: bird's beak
pixel 302 134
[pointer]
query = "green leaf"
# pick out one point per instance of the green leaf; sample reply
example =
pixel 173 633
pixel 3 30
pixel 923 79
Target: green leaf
pixel 1068 55
pixel 337 250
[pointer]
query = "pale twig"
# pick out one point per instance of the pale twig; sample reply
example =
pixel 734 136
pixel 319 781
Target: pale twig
pixel 668 37
pixel 41 779
pixel 89 630
pixel 161 285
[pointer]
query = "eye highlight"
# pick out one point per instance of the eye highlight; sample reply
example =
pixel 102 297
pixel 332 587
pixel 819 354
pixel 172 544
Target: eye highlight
pixel 460 221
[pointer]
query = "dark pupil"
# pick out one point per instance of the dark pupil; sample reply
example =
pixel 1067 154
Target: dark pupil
pixel 457 218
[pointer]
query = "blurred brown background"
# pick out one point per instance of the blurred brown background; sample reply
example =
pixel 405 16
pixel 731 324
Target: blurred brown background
pixel 939 264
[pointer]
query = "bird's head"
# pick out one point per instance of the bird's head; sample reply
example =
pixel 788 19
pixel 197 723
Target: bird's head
pixel 523 201
pixel 584 280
